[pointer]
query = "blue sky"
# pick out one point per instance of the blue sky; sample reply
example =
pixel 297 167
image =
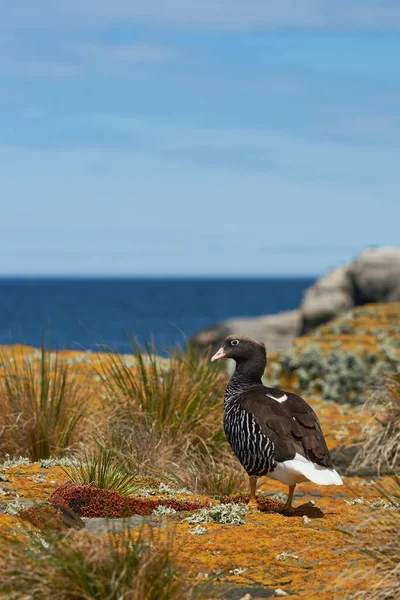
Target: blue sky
pixel 182 137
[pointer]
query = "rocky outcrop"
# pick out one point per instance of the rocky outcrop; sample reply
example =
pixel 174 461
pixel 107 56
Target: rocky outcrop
pixel 276 331
pixel 327 298
pixel 376 276
pixel 373 277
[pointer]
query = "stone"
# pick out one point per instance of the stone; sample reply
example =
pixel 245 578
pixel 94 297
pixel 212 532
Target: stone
pixel 376 275
pixel 276 331
pixel 101 526
pixel 372 277
pixel 327 298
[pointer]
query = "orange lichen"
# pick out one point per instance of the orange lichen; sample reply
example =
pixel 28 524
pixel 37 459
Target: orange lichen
pixel 322 545
pixel 303 555
pixel 22 479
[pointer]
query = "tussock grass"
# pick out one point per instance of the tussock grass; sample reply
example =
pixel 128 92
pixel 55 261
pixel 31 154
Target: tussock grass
pixel 145 449
pixel 83 566
pixel 378 537
pixel 41 406
pixel 102 468
pixel 162 411
pixel 203 473
pixel 381 449
pixel 181 395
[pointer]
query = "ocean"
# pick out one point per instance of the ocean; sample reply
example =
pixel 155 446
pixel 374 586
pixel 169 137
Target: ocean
pixel 86 313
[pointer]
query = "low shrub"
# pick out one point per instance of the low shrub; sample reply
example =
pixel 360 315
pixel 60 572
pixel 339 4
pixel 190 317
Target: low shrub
pixel 88 501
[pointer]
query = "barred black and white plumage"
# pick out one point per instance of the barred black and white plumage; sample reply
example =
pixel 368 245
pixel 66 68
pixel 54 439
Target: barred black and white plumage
pixel 254 450
pixel 272 432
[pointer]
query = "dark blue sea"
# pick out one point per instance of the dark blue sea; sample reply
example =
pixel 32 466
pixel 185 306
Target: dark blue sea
pixel 85 313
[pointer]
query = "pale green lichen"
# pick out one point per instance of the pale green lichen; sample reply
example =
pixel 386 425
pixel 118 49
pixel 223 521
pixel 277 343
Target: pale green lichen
pixel 286 556
pixel 38 478
pixel 237 571
pixel 198 530
pixel 13 508
pixel 15 461
pixel 341 375
pixel 162 490
pixel 163 510
pixel 50 463
pixel 360 500
pixel 225 514
pixel 386 504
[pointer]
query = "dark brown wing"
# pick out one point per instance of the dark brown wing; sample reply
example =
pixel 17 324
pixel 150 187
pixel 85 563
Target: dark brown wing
pixel 292 425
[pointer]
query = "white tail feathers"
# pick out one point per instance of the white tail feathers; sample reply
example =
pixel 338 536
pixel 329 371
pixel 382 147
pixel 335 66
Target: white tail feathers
pixel 316 473
pixel 300 469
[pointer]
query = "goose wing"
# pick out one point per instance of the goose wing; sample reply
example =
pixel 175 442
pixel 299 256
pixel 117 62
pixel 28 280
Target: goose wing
pixel 288 421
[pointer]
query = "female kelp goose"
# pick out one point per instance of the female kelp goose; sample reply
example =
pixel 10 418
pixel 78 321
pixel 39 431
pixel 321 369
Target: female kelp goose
pixel 272 432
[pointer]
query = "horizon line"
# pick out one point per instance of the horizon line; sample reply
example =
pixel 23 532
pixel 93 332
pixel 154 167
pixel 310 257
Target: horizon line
pixel 156 275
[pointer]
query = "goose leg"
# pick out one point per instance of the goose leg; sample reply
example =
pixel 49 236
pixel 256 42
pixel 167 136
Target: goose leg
pixel 288 508
pixel 253 486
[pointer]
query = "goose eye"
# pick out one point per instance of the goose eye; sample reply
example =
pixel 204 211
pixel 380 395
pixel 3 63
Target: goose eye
pixel 234 342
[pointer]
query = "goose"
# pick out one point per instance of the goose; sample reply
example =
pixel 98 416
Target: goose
pixel 272 432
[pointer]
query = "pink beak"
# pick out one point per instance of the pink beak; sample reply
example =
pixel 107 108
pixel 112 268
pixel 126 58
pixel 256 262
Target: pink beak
pixel 219 354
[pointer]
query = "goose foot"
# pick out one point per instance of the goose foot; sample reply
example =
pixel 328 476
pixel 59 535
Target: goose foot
pixel 252 504
pixel 288 510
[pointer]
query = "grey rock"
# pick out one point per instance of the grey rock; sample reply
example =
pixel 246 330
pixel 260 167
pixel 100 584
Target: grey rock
pixel 327 298
pixel 376 275
pixel 372 277
pixel 100 526
pixel 276 331
pixel 234 591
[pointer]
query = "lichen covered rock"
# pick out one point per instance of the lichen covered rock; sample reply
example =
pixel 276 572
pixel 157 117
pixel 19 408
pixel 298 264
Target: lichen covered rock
pixel 344 360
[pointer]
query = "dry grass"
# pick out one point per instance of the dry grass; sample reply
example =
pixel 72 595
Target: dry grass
pixel 216 476
pixel 181 396
pixel 41 406
pixel 162 412
pixel 83 566
pixel 160 417
pixel 144 448
pixel 381 450
pixel 378 537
